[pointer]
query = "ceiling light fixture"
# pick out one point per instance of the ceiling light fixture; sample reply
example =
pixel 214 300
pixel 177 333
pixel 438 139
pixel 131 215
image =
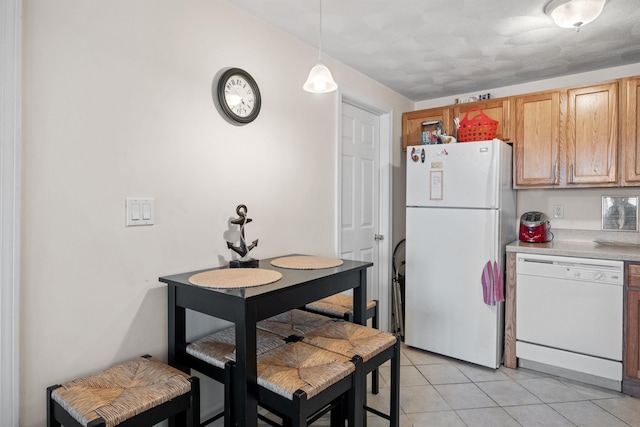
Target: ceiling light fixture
pixel 574 13
pixel 320 79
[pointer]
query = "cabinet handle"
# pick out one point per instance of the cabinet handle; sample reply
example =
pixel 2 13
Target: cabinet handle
pixel 555 173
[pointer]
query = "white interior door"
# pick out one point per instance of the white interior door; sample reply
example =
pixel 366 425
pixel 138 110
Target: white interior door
pixel 360 191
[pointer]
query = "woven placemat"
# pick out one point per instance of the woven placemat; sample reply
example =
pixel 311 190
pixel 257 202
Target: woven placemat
pixel 306 262
pixel 230 278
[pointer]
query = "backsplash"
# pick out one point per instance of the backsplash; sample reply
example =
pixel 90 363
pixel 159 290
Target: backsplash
pixel 623 237
pixel 582 207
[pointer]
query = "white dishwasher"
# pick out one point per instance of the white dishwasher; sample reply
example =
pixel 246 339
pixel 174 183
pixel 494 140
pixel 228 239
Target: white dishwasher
pixel 569 317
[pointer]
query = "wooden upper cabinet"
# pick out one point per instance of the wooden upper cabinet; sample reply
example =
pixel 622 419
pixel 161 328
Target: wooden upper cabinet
pixel 592 134
pixel 537 139
pixel 631 130
pixel 412 124
pixel 498 109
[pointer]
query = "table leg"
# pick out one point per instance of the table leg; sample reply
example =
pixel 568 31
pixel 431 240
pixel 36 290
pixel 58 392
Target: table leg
pixel 177 332
pixel 360 300
pixel 245 389
pixel 360 382
pixel 177 328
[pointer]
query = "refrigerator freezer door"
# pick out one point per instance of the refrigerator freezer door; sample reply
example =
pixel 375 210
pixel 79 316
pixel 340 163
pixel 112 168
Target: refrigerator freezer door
pixel 454 175
pixel 446 251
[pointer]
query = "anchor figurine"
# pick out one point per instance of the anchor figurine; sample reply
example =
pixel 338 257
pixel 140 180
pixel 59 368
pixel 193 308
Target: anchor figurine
pixel 242 249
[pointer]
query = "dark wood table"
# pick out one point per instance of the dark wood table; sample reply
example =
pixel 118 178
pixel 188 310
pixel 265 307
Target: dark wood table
pixel 246 306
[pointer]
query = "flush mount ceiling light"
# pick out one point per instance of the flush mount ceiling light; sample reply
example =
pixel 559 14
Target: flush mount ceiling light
pixel 320 79
pixel 574 13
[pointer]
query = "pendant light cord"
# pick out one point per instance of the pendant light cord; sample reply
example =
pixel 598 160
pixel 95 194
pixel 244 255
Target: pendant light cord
pixel 320 31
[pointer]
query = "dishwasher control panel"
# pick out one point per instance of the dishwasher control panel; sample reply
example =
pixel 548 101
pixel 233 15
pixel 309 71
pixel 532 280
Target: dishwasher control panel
pixel 581 269
pixel 602 276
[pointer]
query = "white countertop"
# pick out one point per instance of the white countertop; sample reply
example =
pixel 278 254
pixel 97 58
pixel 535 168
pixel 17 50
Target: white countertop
pixel 581 243
pixel 580 249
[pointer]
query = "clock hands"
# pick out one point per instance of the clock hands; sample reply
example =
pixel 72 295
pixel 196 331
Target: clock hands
pixel 238 95
pixel 239 99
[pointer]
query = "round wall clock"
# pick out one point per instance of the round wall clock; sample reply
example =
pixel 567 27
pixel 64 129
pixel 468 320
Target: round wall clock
pixel 238 96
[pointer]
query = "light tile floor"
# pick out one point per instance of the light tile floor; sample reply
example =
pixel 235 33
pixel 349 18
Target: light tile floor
pixel 439 391
pixel 443 392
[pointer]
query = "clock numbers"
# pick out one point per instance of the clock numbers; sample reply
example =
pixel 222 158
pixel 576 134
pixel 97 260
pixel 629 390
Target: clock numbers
pixel 239 96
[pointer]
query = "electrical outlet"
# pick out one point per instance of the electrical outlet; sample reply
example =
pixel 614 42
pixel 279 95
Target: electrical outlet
pixel 558 211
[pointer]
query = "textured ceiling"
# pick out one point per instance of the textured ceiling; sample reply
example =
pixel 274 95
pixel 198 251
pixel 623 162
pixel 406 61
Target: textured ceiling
pixel 431 49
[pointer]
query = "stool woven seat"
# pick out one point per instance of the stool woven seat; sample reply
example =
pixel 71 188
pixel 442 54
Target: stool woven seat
pixel 120 393
pixel 293 322
pixel 300 367
pixel 338 305
pixel 372 346
pixel 219 347
pixel 297 381
pixel 350 339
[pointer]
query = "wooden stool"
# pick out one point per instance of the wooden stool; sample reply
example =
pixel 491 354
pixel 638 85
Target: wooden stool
pixel 141 392
pixel 293 322
pixel 340 306
pixel 297 382
pixel 372 346
pixel 214 354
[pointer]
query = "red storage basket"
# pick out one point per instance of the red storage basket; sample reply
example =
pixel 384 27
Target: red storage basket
pixel 479 128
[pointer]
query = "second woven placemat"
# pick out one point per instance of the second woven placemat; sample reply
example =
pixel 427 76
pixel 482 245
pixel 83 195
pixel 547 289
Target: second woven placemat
pixel 306 262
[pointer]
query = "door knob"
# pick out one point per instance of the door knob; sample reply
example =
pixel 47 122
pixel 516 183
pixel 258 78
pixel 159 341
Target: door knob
pixel 378 237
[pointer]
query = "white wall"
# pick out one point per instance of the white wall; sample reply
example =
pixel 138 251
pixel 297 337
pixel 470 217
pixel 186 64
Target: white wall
pixel 117 103
pixel 582 207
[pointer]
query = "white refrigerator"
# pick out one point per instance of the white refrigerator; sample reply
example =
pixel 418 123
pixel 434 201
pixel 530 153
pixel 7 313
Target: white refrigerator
pixel 461 212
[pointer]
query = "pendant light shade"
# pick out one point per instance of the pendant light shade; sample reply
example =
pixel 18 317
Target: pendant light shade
pixel 574 13
pixel 320 79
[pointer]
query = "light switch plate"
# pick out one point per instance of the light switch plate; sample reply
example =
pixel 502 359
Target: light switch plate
pixel 139 211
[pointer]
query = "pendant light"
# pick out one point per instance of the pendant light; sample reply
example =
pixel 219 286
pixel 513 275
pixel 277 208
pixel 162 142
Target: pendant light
pixel 574 13
pixel 320 79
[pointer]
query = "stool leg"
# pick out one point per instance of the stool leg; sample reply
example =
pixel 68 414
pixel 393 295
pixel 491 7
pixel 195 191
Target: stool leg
pixel 356 396
pixel 298 418
pixel 193 413
pixel 338 414
pixel 228 392
pixel 51 421
pixel 395 385
pixel 375 376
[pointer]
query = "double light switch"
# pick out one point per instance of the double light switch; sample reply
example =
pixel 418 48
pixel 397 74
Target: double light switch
pixel 139 212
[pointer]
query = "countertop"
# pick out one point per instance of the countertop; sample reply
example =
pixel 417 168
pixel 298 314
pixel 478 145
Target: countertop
pixel 622 246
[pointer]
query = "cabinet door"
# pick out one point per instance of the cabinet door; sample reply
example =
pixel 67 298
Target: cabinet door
pixel 632 337
pixel 537 139
pixel 631 357
pixel 631 130
pixel 412 124
pixel 592 134
pixel 497 109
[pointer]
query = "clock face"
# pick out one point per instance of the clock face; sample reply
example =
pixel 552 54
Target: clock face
pixel 239 96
